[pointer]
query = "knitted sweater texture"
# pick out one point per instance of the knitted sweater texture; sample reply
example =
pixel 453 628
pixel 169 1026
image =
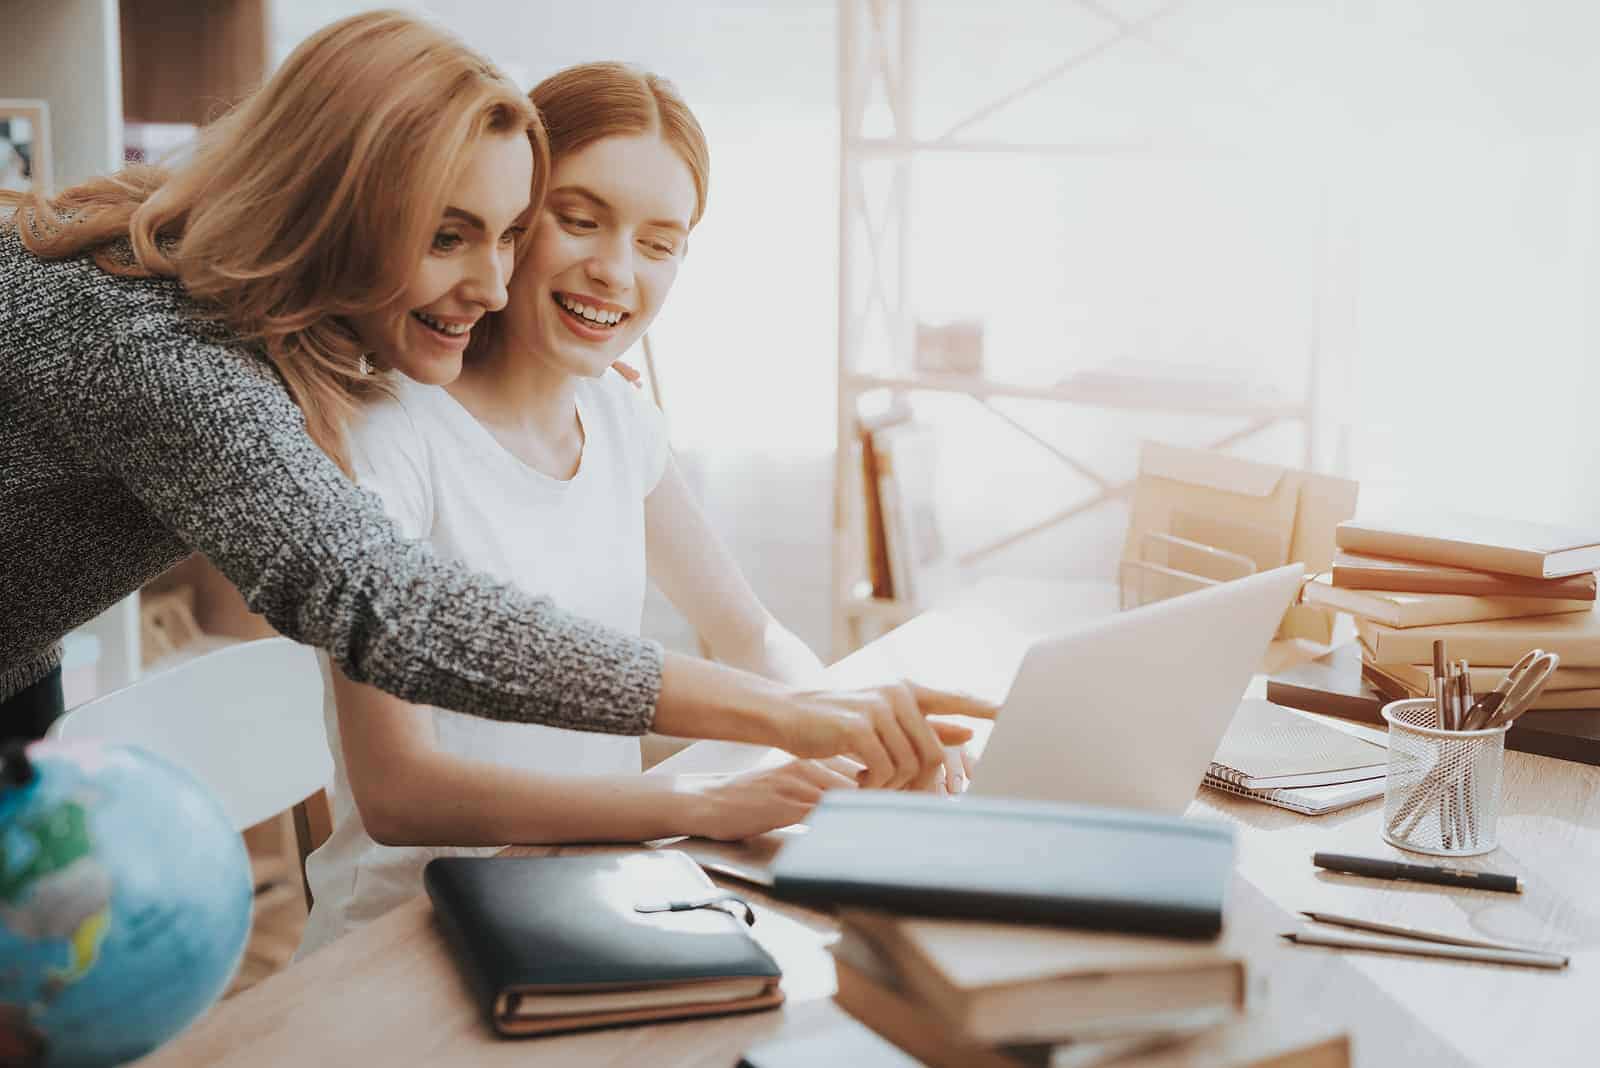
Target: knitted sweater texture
pixel 133 432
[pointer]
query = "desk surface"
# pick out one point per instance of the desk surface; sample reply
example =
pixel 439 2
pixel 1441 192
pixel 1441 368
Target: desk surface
pixel 390 993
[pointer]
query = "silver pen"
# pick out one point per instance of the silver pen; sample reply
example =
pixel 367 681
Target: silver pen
pixel 1441 685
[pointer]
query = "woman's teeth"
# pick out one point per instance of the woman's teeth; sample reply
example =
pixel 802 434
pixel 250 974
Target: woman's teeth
pixel 593 315
pixel 451 329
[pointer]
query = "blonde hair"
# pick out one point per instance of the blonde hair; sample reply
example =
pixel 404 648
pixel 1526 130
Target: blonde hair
pixel 310 201
pixel 592 101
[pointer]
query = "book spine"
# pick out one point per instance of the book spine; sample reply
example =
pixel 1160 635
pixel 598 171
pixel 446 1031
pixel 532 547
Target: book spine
pixel 896 538
pixel 1389 645
pixel 1439 610
pixel 1172 920
pixel 1375 608
pixel 877 546
pixel 1358 539
pixel 920 1033
pixel 1356 707
pixel 1481 584
pixel 448 912
pixel 1578 742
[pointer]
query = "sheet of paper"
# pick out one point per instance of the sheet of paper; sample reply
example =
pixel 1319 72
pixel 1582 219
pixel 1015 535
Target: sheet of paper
pixel 714 757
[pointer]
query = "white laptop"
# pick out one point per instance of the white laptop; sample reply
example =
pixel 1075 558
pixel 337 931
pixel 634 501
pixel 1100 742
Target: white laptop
pixel 1130 709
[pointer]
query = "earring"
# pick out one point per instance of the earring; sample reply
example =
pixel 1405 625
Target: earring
pixel 364 366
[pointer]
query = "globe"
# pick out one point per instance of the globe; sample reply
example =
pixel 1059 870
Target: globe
pixel 125 898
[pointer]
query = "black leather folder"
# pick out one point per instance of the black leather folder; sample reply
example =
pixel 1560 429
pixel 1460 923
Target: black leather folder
pixel 556 944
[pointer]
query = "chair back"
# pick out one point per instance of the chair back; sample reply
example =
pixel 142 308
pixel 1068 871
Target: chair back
pixel 246 720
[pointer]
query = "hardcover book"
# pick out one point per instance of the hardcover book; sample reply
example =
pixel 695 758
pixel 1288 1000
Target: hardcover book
pixel 1401 610
pixel 1357 572
pixel 1508 546
pixel 1567 688
pixel 1015 861
pixel 1331 685
pixel 1334 685
pixel 1014 984
pixel 870 989
pixel 1573 636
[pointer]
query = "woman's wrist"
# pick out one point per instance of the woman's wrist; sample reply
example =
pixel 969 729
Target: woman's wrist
pixel 693 811
pixel 700 699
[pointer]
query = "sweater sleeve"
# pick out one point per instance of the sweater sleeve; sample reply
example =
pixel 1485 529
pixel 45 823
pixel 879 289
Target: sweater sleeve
pixel 209 440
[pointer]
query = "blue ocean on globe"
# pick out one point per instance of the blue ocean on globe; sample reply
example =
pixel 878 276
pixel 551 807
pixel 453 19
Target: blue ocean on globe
pixel 125 898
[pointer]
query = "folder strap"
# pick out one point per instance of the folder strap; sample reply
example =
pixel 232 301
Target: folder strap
pixel 719 901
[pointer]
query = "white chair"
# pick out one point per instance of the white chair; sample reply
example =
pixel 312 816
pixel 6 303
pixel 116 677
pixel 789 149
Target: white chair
pixel 246 720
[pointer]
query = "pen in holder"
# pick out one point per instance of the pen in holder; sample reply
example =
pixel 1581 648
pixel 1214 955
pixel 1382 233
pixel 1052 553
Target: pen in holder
pixel 1442 795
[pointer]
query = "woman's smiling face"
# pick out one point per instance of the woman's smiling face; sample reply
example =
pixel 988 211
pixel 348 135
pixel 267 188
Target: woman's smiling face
pixel 463 274
pixel 605 252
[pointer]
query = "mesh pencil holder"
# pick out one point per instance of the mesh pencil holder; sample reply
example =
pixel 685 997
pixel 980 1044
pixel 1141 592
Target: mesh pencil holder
pixel 1442 795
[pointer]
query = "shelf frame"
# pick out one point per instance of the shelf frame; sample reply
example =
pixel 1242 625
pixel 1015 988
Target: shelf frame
pixel 876 52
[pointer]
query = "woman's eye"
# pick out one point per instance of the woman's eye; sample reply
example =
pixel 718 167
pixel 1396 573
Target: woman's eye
pixel 660 248
pixel 445 241
pixel 574 222
pixel 513 235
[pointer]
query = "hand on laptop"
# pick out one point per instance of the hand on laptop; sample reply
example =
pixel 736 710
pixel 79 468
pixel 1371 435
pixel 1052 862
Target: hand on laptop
pixel 957 771
pixel 749 803
pixel 885 728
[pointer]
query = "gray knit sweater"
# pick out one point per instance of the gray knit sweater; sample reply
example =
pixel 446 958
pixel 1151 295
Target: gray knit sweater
pixel 132 434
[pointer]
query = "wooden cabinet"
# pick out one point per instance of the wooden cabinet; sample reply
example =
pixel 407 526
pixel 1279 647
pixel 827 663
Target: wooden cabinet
pixel 187 62
pixel 98 63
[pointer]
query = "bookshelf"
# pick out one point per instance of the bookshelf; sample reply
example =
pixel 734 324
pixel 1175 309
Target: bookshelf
pixel 98 63
pixel 879 131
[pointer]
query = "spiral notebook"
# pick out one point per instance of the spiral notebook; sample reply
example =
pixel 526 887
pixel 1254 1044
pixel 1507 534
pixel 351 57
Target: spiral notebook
pixel 1307 800
pixel 1268 747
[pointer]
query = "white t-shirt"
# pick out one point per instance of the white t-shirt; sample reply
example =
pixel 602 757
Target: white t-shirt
pixel 443 477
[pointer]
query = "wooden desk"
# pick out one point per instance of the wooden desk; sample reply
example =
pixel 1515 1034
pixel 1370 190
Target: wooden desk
pixel 389 993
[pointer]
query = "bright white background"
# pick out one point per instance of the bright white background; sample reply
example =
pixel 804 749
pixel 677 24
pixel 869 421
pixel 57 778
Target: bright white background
pixel 1408 185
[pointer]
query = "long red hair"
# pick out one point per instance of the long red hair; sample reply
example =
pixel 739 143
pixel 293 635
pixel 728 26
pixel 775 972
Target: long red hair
pixel 592 101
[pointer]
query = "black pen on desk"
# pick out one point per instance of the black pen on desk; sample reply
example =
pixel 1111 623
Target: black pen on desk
pixel 1377 868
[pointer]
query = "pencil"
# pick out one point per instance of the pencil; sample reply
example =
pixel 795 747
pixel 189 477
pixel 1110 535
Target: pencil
pixel 1402 931
pixel 1407 947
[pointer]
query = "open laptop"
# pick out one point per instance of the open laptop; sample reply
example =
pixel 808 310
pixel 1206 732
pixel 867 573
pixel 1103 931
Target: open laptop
pixel 1130 709
pixel 1127 710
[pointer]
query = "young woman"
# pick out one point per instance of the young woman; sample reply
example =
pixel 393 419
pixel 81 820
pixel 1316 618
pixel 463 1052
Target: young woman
pixel 542 467
pixel 178 352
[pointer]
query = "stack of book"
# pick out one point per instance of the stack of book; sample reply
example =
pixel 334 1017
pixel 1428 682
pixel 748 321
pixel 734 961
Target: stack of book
pixel 1001 933
pixel 1002 995
pixel 1490 589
